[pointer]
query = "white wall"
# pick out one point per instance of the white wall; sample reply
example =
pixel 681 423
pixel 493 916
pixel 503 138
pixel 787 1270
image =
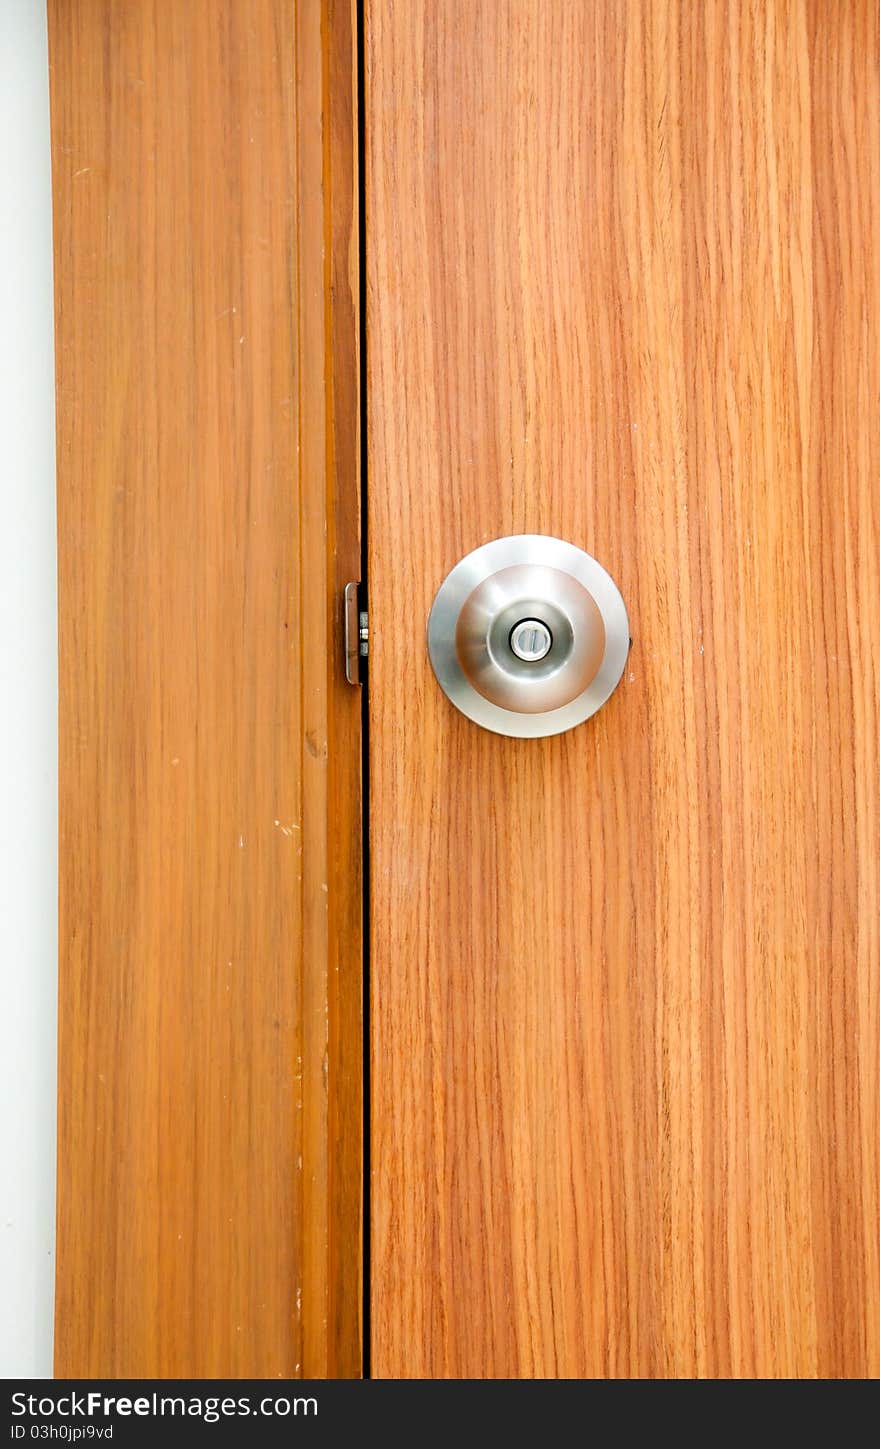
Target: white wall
pixel 28 676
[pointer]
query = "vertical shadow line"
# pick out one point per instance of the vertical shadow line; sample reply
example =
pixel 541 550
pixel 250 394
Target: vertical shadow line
pixel 365 710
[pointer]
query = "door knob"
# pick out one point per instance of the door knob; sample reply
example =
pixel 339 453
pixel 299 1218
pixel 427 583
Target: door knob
pixel 528 635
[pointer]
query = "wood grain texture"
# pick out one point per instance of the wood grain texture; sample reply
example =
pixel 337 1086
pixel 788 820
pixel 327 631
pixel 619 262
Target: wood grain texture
pixel 624 287
pixel 209 1173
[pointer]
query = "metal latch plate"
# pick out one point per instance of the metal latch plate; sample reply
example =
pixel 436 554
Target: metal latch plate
pixel 356 634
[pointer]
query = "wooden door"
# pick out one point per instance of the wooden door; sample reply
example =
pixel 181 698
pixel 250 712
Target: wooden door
pixel 209 1189
pixel 624 287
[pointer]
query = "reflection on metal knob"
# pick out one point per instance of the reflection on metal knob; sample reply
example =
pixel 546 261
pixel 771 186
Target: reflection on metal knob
pixel 528 635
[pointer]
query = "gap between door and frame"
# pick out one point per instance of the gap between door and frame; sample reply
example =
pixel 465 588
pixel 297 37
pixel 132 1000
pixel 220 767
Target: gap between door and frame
pixel 365 676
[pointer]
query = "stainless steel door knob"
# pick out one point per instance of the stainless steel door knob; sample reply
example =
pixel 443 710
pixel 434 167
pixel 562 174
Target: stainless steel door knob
pixel 528 635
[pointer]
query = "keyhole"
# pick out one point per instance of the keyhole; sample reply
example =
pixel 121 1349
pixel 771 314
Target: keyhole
pixel 530 640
